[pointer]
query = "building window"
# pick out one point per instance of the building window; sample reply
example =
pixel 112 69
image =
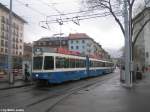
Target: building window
pixel 57 43
pixel 77 41
pixel 147 54
pixel 7 28
pixel 20 53
pixel 21 34
pixel 71 47
pixel 16 52
pixel 7 35
pixel 7 20
pixel 77 47
pixel 63 42
pixel 83 47
pixel 50 43
pixel 83 41
pixel 2 43
pixel 13 39
pixel 20 40
pixel 2 49
pixel 6 43
pixel 3 27
pixel 14 46
pixel 6 51
pixel 3 19
pixel 2 35
pixel 17 40
pixel 72 41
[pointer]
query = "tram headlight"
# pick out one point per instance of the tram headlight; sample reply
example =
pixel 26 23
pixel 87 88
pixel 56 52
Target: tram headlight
pixel 37 75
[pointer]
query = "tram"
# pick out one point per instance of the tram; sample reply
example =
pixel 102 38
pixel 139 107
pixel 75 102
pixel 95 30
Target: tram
pixel 59 68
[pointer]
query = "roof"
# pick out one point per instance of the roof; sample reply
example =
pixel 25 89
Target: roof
pixel 52 38
pixel 73 36
pixel 14 14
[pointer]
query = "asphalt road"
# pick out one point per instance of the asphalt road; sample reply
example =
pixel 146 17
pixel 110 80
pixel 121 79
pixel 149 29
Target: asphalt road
pixel 44 98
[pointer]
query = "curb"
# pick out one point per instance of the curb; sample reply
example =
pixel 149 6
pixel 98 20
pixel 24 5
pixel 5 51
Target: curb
pixel 17 86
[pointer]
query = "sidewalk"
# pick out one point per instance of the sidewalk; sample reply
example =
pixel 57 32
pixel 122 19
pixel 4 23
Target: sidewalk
pixel 18 83
pixel 109 96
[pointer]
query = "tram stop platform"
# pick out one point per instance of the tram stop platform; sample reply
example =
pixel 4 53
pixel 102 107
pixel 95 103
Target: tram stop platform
pixel 109 96
pixel 17 83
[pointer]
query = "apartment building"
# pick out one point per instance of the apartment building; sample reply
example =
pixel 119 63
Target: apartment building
pixel 51 44
pixel 77 42
pixel 17 36
pixel 84 44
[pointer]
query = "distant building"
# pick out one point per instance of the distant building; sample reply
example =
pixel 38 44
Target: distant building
pixel 27 53
pixel 141 43
pixel 17 37
pixel 77 42
pixel 84 44
pixel 51 43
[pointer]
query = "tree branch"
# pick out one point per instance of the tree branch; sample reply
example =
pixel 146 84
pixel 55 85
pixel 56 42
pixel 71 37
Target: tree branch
pixel 132 2
pixel 116 19
pixel 141 29
pixel 136 22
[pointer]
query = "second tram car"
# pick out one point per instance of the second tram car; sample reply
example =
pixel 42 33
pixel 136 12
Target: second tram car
pixel 58 68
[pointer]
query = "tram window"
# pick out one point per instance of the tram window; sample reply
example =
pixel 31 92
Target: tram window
pixel 100 64
pixel 91 63
pixel 72 63
pixel 82 63
pixel 49 63
pixel 37 63
pixel 107 64
pixel 104 64
pixel 77 63
pixel 60 62
pixel 66 63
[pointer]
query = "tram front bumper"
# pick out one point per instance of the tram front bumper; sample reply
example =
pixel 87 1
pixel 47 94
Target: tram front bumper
pixel 40 76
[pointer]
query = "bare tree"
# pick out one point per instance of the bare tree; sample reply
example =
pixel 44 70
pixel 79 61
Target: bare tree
pixel 115 8
pixel 125 7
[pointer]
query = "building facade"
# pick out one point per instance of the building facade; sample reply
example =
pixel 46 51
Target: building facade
pixel 27 52
pixel 51 43
pixel 78 42
pixel 141 40
pixel 84 44
pixel 17 37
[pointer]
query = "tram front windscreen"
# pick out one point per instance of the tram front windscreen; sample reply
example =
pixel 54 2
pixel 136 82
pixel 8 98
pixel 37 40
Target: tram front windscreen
pixel 37 63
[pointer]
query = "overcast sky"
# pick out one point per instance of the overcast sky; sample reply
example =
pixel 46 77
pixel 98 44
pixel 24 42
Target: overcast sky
pixel 103 30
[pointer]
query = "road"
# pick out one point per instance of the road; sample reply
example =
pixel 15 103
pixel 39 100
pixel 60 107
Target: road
pixel 43 99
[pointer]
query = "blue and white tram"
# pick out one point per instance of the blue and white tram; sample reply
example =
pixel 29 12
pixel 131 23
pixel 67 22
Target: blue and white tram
pixel 58 68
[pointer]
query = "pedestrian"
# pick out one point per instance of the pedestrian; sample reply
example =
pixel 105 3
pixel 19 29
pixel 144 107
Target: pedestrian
pixel 26 72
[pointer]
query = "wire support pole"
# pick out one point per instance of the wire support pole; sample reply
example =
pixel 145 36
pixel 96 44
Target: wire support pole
pixel 128 78
pixel 10 73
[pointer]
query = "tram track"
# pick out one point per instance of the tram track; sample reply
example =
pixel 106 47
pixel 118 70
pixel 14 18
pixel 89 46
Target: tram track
pixel 75 91
pixel 14 92
pixel 62 95
pixel 32 98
